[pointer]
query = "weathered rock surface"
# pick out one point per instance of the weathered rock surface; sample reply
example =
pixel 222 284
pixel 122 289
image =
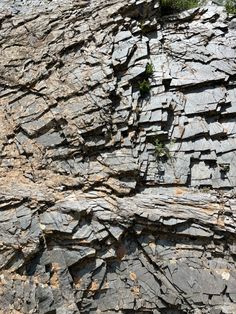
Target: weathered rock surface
pixel 95 216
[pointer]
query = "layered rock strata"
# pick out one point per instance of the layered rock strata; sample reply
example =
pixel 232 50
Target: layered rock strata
pixel 117 174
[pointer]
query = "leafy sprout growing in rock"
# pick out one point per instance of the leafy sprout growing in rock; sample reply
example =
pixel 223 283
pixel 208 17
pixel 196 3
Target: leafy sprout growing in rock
pixel 144 87
pixel 149 69
pixel 224 167
pixel 161 150
pixel 205 188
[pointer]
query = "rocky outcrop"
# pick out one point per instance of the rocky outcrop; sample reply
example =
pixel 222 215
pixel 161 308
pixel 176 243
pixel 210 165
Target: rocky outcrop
pixel 117 174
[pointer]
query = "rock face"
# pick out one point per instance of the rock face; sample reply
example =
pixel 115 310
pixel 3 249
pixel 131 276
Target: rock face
pixel 117 174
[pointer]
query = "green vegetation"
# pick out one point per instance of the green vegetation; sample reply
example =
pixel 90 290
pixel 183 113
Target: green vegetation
pixel 144 87
pixel 205 189
pixel 161 150
pixel 230 6
pixel 149 69
pixel 173 6
pixel 142 27
pixel 224 167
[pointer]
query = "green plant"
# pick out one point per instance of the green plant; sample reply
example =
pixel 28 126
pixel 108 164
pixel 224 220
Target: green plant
pixel 224 167
pixel 161 150
pixel 230 6
pixel 173 6
pixel 144 87
pixel 149 69
pixel 142 27
pixel 205 189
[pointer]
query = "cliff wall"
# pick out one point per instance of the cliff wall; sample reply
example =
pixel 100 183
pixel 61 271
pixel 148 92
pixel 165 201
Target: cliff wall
pixel 118 158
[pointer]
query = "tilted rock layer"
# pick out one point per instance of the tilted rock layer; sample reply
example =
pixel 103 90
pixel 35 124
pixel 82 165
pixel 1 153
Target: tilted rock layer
pixel 118 164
